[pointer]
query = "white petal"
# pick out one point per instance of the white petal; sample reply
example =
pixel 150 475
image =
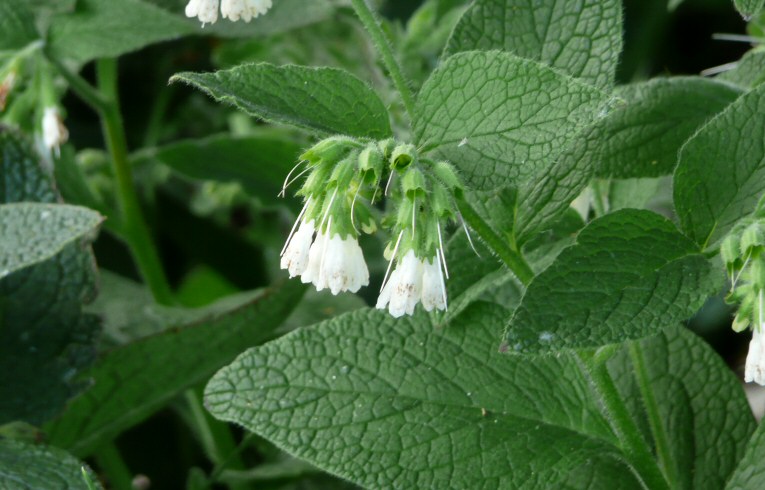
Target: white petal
pixel 406 294
pixel 312 272
pixel 755 360
pixel 206 10
pixel 384 298
pixel 295 257
pixel 433 286
pixel 54 131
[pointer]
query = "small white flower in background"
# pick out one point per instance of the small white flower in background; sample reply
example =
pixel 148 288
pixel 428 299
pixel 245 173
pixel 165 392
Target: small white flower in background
pixel 244 9
pixel 54 132
pixel 206 10
pixel 755 360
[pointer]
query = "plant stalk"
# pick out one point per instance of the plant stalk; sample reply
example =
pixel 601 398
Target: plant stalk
pixel 113 466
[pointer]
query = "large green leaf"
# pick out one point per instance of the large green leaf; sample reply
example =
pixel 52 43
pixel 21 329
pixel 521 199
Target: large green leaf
pixel 324 100
pixel 25 466
pixel 34 232
pixel 721 174
pixel 630 274
pixel 750 472
pixel 501 118
pixel 392 403
pixel 690 405
pixel 642 137
pixel 45 338
pixel 144 375
pixel 105 28
pixel 17 25
pixel 582 38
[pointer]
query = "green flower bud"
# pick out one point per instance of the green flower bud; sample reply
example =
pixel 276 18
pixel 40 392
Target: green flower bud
pixel 343 172
pixel 403 156
pixel 387 147
pixel 371 164
pixel 365 219
pixel 330 149
pixel 741 322
pixel 757 273
pixel 730 251
pixel 441 202
pixel 414 184
pixel 446 174
pixel 753 239
pixel 316 183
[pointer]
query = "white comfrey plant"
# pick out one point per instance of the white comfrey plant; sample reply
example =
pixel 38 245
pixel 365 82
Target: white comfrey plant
pixel 344 180
pixel 234 10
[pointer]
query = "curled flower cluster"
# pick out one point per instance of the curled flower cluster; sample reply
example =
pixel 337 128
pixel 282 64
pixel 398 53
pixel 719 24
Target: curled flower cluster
pixel 744 254
pixel 344 179
pixel 246 10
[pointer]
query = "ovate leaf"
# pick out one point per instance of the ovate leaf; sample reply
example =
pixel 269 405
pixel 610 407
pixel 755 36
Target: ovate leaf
pixel 750 472
pixel 144 375
pixel 748 72
pixel 35 232
pixel 45 338
pixel 392 403
pixel 324 100
pixel 26 466
pixel 721 174
pixel 500 118
pixel 630 274
pixel 582 38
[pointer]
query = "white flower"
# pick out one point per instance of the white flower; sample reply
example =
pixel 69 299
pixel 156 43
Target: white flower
pixel 312 272
pixel 244 9
pixel 54 131
pixel 295 254
pixel 206 10
pixel 755 360
pixel 403 290
pixel 433 287
pixel 335 263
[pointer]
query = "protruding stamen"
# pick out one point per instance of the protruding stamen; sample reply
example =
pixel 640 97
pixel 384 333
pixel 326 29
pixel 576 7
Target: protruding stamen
pixel 387 186
pixel 284 189
pixel 392 259
pixel 414 216
pixel 441 244
pixel 470 239
pixel 326 213
pixel 286 180
pixel 439 259
pixel 353 207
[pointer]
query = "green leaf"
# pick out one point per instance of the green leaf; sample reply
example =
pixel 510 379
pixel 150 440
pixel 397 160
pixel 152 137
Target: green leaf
pixel 45 338
pixel 749 8
pixel 642 137
pixel 750 472
pixel 692 408
pixel 35 232
pixel 259 164
pixel 630 274
pixel 26 466
pixel 749 71
pixel 324 100
pixel 144 375
pixel 582 39
pixel 721 174
pixel 501 118
pixel 106 29
pixel 397 404
pixel 17 25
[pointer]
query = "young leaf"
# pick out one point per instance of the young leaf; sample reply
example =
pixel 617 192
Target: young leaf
pixel 32 466
pixel 581 38
pixel 144 375
pixel 45 338
pixel 105 29
pixel 630 274
pixel 721 174
pixel 642 137
pixel 397 404
pixel 323 100
pixel 33 232
pixel 500 118
pixel 750 472
pixel 749 8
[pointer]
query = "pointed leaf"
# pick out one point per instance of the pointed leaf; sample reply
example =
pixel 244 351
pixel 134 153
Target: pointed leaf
pixel 26 466
pixel 750 472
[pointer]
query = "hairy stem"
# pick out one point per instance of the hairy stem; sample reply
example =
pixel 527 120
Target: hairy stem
pixel 632 442
pixel 383 46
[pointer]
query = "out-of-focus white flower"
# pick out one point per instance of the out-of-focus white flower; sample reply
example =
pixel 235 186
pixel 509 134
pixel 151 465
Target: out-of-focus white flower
pixel 244 9
pixel 206 10
pixel 403 290
pixel 433 286
pixel 755 360
pixel 54 132
pixel 295 254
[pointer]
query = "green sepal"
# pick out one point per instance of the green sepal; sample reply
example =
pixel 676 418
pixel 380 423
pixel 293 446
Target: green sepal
pixel 414 184
pixel 387 147
pixel 343 173
pixel 446 174
pixel 371 164
pixel 753 239
pixel 316 183
pixel 403 156
pixel 330 149
pixel 364 218
pixel 741 322
pixel 730 251
pixel 757 273
pixel 441 203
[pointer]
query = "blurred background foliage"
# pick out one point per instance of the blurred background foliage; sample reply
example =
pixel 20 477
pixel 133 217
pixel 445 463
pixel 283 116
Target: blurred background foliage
pixel 217 221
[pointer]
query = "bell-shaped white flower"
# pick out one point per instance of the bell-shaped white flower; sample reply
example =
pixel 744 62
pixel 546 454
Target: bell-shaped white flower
pixel 312 273
pixel 433 286
pixel 755 360
pixel 295 254
pixel 205 10
pixel 403 290
pixel 54 132
pixel 244 9
pixel 343 267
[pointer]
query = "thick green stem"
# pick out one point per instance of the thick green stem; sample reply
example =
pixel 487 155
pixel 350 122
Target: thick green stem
pixel 383 46
pixel 111 464
pixel 660 438
pixel 632 442
pixel 80 86
pixel 136 230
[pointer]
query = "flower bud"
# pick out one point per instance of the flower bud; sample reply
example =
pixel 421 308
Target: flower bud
pixel 343 172
pixel 757 274
pixel 371 164
pixel 730 251
pixel 403 156
pixel 446 174
pixel 330 149
pixel 414 184
pixel 387 147
pixel 753 239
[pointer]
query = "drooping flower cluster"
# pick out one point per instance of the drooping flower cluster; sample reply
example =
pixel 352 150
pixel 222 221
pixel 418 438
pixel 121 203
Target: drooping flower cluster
pixel 744 254
pixel 246 10
pixel 344 180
